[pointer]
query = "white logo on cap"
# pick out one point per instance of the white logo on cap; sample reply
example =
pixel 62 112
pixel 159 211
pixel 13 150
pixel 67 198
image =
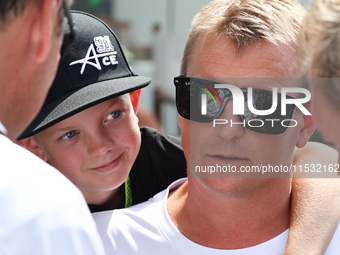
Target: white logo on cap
pixel 106 51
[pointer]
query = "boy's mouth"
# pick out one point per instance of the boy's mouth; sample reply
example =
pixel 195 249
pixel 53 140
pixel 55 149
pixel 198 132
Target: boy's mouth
pixel 108 166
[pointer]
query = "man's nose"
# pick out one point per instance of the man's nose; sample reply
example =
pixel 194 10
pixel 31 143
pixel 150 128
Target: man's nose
pixel 233 126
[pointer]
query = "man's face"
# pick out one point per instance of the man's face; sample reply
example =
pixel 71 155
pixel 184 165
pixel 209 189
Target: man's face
pixel 95 148
pixel 205 145
pixel 31 65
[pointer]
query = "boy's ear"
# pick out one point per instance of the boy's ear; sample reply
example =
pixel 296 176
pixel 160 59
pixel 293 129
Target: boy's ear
pixel 32 145
pixel 43 29
pixel 135 98
pixel 307 130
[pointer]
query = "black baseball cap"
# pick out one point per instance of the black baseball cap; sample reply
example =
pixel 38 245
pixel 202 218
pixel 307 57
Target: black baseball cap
pixel 92 70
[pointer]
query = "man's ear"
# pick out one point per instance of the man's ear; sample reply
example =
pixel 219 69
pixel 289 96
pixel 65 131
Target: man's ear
pixel 33 146
pixel 43 29
pixel 135 98
pixel 307 130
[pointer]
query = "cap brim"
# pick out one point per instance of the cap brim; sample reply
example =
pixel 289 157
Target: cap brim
pixel 81 99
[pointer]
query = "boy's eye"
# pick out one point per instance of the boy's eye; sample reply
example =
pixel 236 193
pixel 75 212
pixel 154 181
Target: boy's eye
pixel 113 115
pixel 69 135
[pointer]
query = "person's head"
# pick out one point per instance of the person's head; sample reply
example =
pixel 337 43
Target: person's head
pixel 34 31
pixel 320 55
pixel 252 40
pixel 88 127
pixel 244 23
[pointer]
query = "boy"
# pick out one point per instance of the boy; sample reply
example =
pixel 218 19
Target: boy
pixel 88 127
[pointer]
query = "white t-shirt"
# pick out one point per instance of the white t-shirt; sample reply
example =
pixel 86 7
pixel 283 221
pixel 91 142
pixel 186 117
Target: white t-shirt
pixel 147 229
pixel 3 129
pixel 41 211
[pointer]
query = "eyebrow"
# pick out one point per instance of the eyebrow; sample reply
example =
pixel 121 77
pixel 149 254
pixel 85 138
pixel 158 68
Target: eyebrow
pixel 62 130
pixel 115 100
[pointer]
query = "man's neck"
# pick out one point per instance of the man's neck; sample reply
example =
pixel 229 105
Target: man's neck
pixel 230 221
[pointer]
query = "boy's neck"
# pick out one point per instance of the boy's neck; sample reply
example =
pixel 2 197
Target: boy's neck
pixel 104 199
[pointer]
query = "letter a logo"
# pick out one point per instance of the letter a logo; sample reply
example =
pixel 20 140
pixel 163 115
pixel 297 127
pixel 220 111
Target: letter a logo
pixel 87 59
pixel 105 50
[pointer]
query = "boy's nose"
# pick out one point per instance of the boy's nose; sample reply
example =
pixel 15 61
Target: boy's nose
pixel 100 144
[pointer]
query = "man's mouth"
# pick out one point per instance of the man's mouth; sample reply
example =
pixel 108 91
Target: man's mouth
pixel 228 157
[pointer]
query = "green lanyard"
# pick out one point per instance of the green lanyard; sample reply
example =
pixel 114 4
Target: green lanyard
pixel 128 193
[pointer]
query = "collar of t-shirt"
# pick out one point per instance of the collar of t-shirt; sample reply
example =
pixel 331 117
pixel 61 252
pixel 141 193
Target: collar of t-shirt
pixel 274 246
pixel 3 130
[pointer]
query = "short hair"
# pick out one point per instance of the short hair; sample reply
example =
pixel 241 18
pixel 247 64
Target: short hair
pixel 10 9
pixel 320 45
pixel 246 22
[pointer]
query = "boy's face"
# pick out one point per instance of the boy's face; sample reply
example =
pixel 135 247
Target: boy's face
pixel 95 148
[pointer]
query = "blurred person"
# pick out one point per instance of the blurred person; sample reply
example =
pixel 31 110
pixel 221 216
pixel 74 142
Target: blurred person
pixel 320 39
pixel 42 212
pixel 238 39
pixel 319 57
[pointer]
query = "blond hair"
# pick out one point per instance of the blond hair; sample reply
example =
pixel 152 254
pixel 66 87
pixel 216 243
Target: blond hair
pixel 245 22
pixel 320 45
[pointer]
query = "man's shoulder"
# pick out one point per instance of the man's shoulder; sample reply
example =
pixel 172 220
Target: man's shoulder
pixel 30 186
pixel 121 230
pixel 40 208
pixel 142 209
pixel 140 224
pixel 129 216
pixel 17 165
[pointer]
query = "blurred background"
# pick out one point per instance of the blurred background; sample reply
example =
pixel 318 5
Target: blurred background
pixel 153 33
